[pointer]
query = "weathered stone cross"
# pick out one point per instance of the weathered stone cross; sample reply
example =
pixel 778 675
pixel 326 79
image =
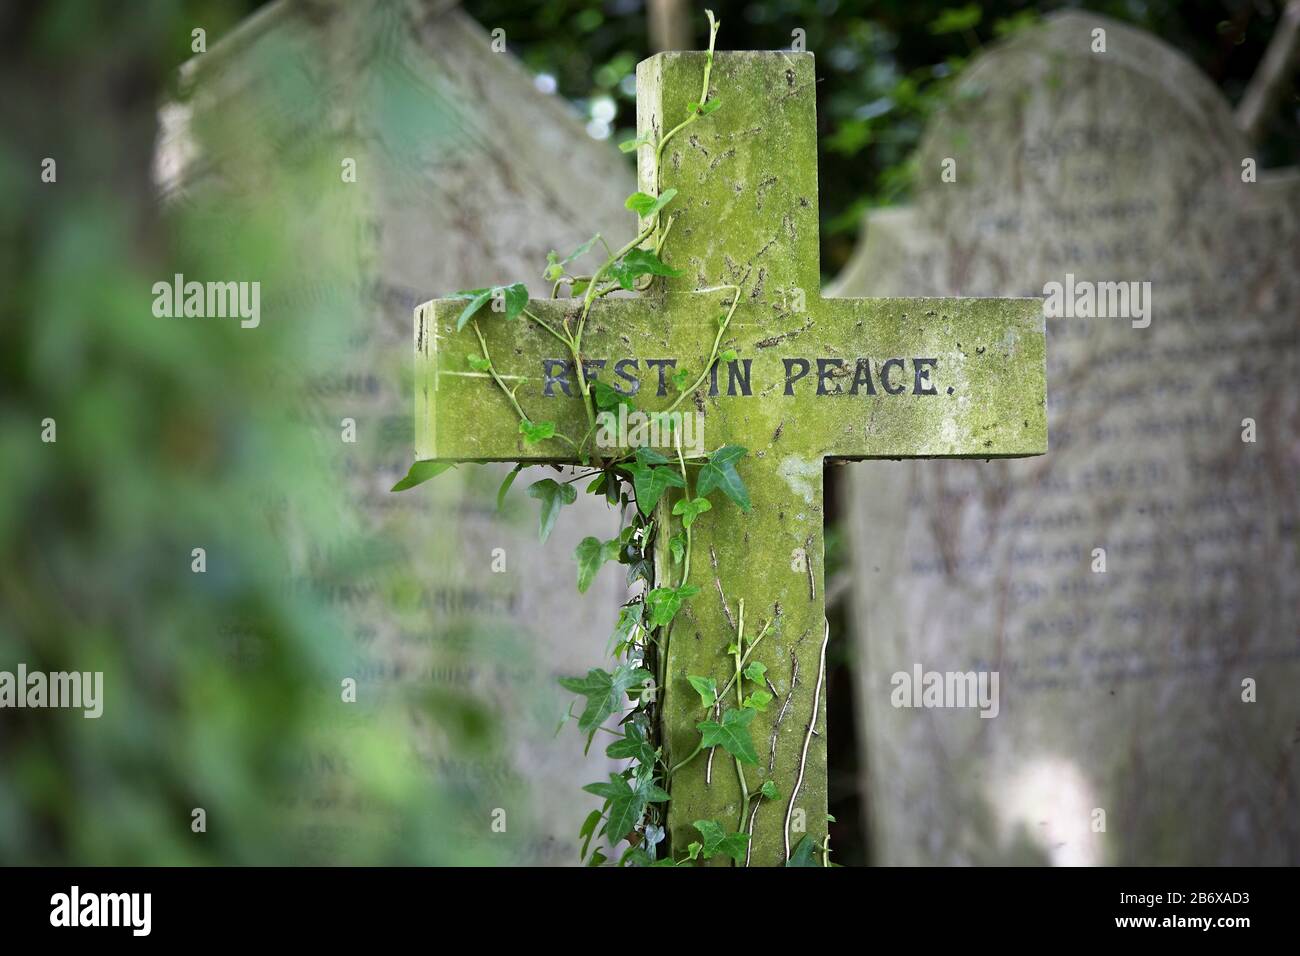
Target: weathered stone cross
pixel 813 379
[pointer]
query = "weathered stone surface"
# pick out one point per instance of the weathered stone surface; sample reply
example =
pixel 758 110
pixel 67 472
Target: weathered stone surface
pixel 747 206
pixel 1120 691
pixel 465 175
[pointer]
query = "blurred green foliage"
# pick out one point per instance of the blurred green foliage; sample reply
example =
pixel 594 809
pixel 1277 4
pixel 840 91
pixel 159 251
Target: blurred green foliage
pixel 222 690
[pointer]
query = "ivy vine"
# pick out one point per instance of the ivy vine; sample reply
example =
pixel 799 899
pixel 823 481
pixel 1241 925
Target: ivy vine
pixel 633 811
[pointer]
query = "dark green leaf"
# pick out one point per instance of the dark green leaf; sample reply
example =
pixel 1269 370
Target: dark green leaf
pixel 720 472
pixel 505 485
pixel 648 456
pixel 515 299
pixel 664 603
pixel 626 803
pixel 769 790
pixel 421 472
pixel 804 852
pixel 587 831
pixel 477 298
pixel 630 145
pixel 677 545
pixel 555 265
pixel 690 510
pixel 608 398
pixel 553 497
pixel 591 553
pixel 732 735
pixel 706 687
pixel 645 205
pixel 650 483
pixel 756 672
pixel 534 432
pixel 632 746
pixel 718 841
pixel 637 263
pixel 605 692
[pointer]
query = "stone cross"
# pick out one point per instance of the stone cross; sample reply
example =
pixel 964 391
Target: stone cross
pixel 813 379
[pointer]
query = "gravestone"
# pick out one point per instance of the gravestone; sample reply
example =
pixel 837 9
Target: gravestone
pixel 814 378
pixel 1121 691
pixel 455 179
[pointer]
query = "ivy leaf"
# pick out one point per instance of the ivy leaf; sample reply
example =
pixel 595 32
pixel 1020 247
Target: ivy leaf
pixel 650 483
pixel 758 700
pixel 664 603
pixel 505 485
pixel 756 672
pixel 706 687
pixel 704 109
pixel 534 432
pixel 626 804
pixel 690 510
pixel 718 841
pixel 645 205
pixel 681 378
pixel 590 555
pixel 768 789
pixel 478 363
pixel 555 265
pixel 639 262
pixel 587 831
pixel 677 545
pixel 422 471
pixel 608 398
pixel 634 746
pixel 477 299
pixel 728 355
pixel 514 298
pixel 648 456
pixel 553 497
pixel 720 472
pixel 630 145
pixel 804 852
pixel 629 619
pixel 732 735
pixel 642 570
pixel 604 692
pixel 693 851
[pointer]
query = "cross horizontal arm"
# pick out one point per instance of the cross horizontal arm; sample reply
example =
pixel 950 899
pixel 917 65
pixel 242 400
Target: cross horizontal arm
pixel 847 378
pixel 633 345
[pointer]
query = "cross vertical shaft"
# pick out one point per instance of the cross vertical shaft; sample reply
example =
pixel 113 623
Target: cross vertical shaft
pixel 748 178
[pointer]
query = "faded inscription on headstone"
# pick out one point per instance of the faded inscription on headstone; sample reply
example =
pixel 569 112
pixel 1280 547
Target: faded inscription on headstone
pixel 1129 587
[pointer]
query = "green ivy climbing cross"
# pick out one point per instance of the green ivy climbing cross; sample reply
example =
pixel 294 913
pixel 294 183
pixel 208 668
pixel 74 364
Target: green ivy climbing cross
pixel 752 380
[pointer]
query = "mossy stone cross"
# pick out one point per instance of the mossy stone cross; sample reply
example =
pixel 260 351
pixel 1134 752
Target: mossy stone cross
pixel 813 379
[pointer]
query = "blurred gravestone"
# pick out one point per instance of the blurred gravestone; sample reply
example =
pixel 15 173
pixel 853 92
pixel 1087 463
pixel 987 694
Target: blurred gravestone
pixel 402 158
pixel 1121 690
